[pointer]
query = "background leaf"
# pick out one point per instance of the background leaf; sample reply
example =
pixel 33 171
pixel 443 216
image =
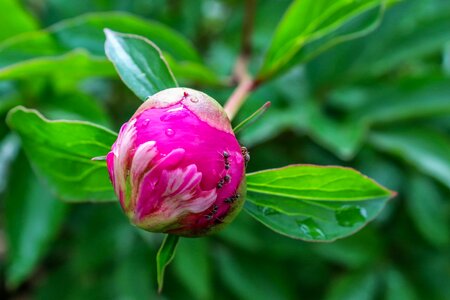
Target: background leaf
pixel 358 286
pixel 82 39
pixel 139 63
pixel 427 150
pixel 428 210
pixel 15 18
pixel 192 265
pixel 34 217
pixel 61 151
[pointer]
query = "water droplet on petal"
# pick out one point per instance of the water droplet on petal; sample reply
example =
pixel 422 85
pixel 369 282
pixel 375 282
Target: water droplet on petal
pixel 146 121
pixel 173 114
pixel 170 132
pixel 310 229
pixel 193 99
pixel 349 216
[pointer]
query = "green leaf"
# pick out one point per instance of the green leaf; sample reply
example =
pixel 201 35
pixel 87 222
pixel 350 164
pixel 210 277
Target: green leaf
pixel 398 286
pixel 87 31
pixel 248 278
pixel 61 152
pixel 308 21
pixel 314 203
pixel 15 19
pixel 411 99
pixel 410 31
pixel 73 65
pixel 425 149
pixel 33 218
pixel 139 63
pixel 75 106
pixel 413 32
pixel 165 255
pixel 193 266
pixel 83 37
pixel 428 209
pixel 356 286
pixel 343 138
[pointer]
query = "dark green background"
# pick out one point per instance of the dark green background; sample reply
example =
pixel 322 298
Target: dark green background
pixel 380 104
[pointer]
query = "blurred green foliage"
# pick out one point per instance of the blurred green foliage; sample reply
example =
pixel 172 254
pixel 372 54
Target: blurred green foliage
pixel 379 103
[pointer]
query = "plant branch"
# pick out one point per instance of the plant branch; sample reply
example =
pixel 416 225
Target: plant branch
pixel 241 76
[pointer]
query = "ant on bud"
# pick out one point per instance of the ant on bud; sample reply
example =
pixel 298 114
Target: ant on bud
pixel 212 213
pixel 246 155
pixel 233 198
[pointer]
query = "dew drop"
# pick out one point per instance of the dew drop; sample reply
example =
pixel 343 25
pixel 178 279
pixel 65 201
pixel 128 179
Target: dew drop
pixel 174 114
pixel 349 216
pixel 268 211
pixel 309 228
pixel 170 132
pixel 146 121
pixel 193 99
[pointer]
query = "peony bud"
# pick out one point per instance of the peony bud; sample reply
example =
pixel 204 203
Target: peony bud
pixel 177 167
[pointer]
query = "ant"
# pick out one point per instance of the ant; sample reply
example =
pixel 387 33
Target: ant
pixel 212 213
pixel 233 198
pixel 246 155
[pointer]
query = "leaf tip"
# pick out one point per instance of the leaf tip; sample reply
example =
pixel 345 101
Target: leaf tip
pixel 11 112
pixel 99 158
pixel 108 32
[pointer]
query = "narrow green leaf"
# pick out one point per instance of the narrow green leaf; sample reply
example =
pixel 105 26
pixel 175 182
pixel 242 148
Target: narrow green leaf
pixel 84 34
pixel 354 286
pixel 411 98
pixel 252 118
pixel 74 106
pixel 428 209
pixel 15 19
pixel 308 21
pixel 425 149
pixel 314 203
pixel 139 63
pixel 410 31
pixel 398 286
pixel 192 265
pixel 61 152
pixel 74 65
pixel 86 31
pixel 165 255
pixel 33 217
pixel 343 138
pixel 248 278
pixel 407 100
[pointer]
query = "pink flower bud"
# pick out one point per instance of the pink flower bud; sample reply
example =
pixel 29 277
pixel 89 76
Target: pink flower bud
pixel 177 167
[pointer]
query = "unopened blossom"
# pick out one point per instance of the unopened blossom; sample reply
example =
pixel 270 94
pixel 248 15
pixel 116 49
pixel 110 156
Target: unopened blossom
pixel 177 167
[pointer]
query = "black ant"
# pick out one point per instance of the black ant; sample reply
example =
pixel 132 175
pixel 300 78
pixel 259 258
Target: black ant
pixel 225 179
pixel 233 198
pixel 246 155
pixel 212 213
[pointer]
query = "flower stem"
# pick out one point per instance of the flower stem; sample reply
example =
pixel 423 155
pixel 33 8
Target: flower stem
pixel 240 94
